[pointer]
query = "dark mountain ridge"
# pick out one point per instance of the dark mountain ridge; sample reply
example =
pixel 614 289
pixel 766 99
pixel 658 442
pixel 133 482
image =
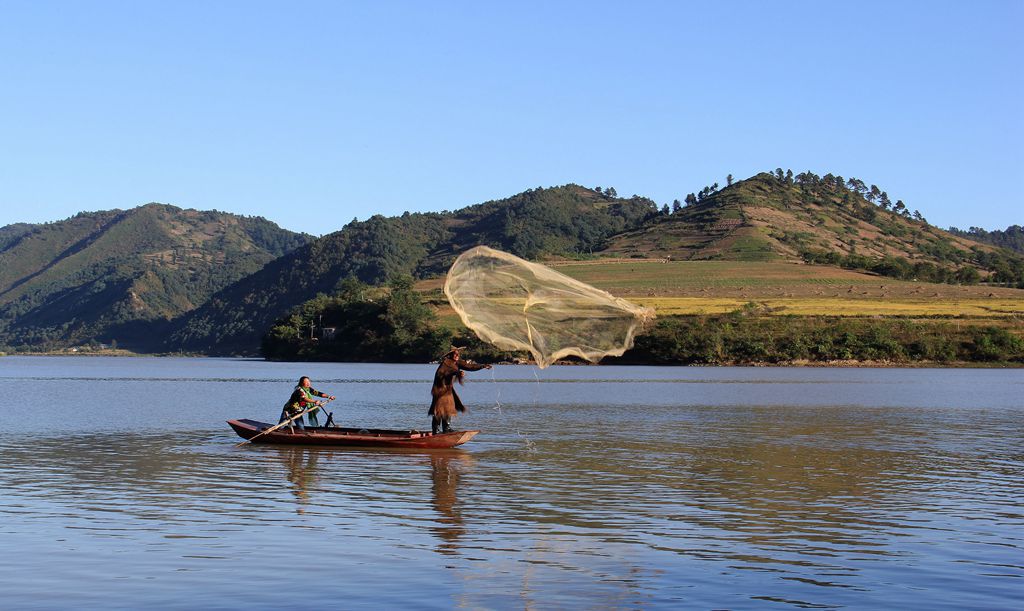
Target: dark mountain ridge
pixel 118 274
pixel 568 219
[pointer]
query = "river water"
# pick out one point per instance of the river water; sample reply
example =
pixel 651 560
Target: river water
pixel 588 487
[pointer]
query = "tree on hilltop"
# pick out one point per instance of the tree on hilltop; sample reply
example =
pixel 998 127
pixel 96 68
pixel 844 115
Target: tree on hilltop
pixel 883 201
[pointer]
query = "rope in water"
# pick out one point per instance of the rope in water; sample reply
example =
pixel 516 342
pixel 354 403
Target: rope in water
pixel 530 446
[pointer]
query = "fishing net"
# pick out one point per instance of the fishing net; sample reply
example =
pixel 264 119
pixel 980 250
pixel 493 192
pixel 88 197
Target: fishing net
pixel 517 305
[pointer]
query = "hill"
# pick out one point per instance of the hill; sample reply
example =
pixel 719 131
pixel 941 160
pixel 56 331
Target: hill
pixel 783 217
pixel 769 217
pixel 1012 237
pixel 120 275
pixel 10 233
pixel 193 286
pixel 567 220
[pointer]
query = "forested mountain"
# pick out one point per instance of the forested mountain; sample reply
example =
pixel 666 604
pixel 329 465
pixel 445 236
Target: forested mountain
pixel 119 275
pixel 536 223
pixel 776 215
pixel 157 278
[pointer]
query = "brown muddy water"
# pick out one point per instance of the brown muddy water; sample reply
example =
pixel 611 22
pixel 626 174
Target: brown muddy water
pixel 588 487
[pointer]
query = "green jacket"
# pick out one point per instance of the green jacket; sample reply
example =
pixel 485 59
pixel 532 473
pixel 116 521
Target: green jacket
pixel 302 398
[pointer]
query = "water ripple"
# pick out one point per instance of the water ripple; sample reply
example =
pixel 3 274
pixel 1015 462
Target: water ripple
pixel 610 506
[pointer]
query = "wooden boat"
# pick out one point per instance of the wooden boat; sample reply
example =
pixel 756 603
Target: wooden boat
pixel 338 436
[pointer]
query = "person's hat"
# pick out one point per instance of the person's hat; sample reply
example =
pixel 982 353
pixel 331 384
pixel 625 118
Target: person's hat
pixel 452 351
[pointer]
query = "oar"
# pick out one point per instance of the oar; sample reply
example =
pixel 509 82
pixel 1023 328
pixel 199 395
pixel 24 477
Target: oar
pixel 330 420
pixel 284 423
pixel 314 408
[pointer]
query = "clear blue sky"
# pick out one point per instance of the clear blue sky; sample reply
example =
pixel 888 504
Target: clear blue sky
pixel 312 113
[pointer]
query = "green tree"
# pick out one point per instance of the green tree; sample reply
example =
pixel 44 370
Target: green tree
pixel 967 275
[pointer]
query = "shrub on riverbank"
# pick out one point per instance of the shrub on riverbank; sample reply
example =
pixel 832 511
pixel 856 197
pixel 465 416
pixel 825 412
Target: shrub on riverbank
pixel 739 338
pixel 362 324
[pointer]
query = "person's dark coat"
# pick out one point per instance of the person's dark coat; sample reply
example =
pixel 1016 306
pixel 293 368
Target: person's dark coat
pixel 445 401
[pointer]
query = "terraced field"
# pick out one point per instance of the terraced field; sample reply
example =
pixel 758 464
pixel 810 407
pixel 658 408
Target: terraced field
pixel 759 280
pixel 982 308
pixel 778 288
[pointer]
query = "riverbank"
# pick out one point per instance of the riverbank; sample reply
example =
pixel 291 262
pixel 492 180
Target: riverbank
pixel 803 363
pixel 741 338
pixel 745 337
pixel 115 352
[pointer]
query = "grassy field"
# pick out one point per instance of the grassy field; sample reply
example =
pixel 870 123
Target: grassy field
pixel 984 308
pixel 777 288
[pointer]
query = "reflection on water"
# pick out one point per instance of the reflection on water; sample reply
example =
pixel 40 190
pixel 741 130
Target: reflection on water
pixel 445 470
pixel 657 503
pixel 301 465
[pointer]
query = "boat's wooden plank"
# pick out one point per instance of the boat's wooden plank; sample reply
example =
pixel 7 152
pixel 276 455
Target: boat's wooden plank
pixel 385 438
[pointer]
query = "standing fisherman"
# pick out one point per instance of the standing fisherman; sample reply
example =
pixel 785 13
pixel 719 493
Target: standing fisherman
pixel 302 398
pixel 445 401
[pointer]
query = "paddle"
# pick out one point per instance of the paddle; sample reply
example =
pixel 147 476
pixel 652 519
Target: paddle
pixel 284 422
pixel 330 420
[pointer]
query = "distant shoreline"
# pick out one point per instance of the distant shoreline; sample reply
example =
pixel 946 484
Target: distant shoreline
pixel 850 364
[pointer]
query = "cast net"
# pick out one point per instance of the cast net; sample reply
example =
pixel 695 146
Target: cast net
pixel 518 305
